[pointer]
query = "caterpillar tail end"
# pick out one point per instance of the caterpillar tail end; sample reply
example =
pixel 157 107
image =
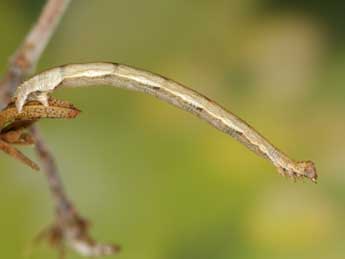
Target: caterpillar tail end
pixel 309 170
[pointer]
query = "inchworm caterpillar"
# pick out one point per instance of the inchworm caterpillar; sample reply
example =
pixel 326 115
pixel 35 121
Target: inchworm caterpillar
pixel 123 76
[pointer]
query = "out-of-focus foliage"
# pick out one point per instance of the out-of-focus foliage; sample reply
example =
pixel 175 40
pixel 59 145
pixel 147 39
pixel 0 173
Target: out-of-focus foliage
pixel 162 183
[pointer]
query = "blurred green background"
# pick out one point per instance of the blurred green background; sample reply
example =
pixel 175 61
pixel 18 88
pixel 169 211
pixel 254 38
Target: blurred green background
pixel 160 182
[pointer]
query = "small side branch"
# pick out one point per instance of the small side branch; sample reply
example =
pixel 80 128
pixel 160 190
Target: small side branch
pixel 62 203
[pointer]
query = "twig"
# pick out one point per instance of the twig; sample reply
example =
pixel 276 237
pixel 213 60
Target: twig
pixel 27 55
pixel 69 227
pixel 62 203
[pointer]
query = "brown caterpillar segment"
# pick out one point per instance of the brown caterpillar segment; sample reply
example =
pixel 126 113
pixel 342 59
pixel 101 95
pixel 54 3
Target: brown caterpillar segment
pixel 302 169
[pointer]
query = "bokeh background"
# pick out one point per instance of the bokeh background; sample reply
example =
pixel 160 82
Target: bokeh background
pixel 164 184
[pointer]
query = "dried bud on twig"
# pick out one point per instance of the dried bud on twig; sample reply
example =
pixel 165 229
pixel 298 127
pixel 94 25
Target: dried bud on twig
pixel 14 124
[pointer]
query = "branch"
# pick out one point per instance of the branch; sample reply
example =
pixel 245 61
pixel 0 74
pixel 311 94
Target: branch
pixel 27 55
pixel 69 227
